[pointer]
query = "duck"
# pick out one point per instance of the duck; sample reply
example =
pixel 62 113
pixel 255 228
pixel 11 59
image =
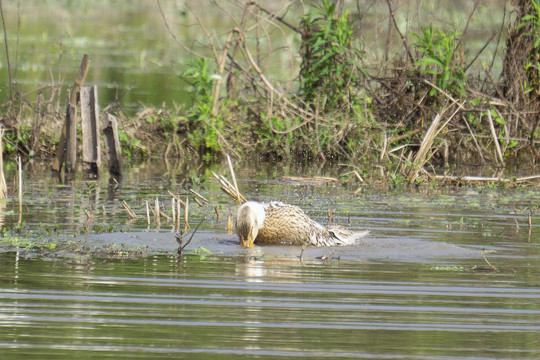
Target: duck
pixel 278 223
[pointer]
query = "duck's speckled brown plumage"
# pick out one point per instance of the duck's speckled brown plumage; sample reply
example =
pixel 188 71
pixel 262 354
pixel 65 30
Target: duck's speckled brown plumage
pixel 279 223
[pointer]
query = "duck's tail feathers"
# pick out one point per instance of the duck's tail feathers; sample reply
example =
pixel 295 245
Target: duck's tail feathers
pixel 344 237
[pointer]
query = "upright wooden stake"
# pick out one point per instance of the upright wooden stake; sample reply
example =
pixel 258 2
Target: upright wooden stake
pixel 90 127
pixel 113 144
pixel 71 139
pixel 3 186
pixel 79 81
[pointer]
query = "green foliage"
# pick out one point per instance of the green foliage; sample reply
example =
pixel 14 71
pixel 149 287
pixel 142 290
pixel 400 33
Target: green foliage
pixel 437 57
pixel 271 138
pixel 396 180
pixel 330 66
pixel 531 23
pixel 16 137
pixel 205 126
pixel 507 144
pixel 129 144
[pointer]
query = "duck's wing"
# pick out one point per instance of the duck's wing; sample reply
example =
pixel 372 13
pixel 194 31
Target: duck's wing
pixel 284 224
pixel 288 224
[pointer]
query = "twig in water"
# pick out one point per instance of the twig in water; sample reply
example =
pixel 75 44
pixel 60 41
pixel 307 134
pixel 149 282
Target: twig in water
pixel 186 215
pixel 493 268
pixel 19 166
pixel 327 256
pixel 90 218
pixel 229 225
pixel 173 211
pixel 300 257
pixel 156 212
pixel 177 198
pixel 147 213
pixel 128 210
pixel 88 214
pixel 180 237
pixel 104 213
pixel 165 215
pixel 331 216
pixel 530 227
pixel 198 202
pixel 177 214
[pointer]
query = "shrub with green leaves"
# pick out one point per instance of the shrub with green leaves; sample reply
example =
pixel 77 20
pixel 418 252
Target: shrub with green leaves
pixel 437 57
pixel 204 126
pixel 330 66
pixel 531 24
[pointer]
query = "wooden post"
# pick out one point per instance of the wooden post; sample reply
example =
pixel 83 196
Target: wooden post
pixel 71 139
pixel 3 186
pixel 113 145
pixel 90 127
pixel 79 81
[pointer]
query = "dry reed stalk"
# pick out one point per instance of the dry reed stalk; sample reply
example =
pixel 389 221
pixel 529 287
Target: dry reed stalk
pixel 530 226
pixel 104 213
pixel 358 176
pixel 495 139
pixel 128 210
pixel 445 94
pixel 528 178
pixel 177 215
pixel 420 157
pixel 331 216
pixel 198 202
pixel 229 225
pixel 186 215
pixel 156 212
pixel 147 213
pixel 218 215
pixel 229 189
pixel 173 210
pixel 3 186
pixel 199 196
pixel 315 179
pixel 474 139
pixel 165 216
pixel 19 164
pixel 485 178
pixel 493 268
pixel 178 200
pixel 233 178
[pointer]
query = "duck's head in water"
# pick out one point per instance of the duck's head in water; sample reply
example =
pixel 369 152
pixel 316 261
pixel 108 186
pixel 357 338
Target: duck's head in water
pixel 249 219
